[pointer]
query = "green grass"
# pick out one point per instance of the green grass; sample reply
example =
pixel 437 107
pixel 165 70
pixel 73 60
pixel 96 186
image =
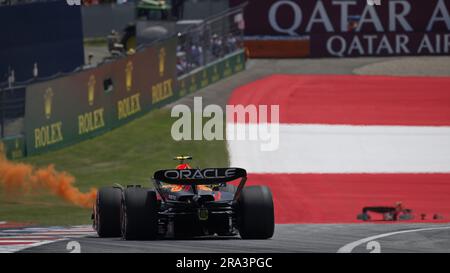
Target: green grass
pixel 127 155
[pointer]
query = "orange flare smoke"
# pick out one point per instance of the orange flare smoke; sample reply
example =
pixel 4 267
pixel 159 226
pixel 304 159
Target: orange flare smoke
pixel 20 177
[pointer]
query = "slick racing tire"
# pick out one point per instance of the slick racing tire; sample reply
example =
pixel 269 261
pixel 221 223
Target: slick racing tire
pixel 255 213
pixel 139 214
pixel 107 212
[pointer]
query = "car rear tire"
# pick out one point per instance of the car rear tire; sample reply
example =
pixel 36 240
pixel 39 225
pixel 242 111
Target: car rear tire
pixel 256 213
pixel 139 214
pixel 107 212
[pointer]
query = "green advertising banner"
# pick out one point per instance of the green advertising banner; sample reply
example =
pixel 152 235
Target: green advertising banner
pixel 143 81
pixel 211 73
pixel 82 105
pixel 129 98
pixel 13 147
pixel 66 110
pixel 70 109
pixel 163 89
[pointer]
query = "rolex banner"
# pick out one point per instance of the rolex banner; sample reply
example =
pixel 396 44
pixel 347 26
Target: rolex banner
pixel 72 108
pixel 144 81
pixel 210 74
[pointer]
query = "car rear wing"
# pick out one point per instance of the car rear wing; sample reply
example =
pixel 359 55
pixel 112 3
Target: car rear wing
pixel 207 176
pixel 194 177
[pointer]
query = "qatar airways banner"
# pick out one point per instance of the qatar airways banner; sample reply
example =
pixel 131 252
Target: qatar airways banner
pixel 344 28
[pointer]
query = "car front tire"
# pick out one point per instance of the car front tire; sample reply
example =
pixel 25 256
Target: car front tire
pixel 107 212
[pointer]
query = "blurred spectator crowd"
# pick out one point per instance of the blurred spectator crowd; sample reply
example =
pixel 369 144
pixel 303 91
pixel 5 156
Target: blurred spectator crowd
pixel 206 43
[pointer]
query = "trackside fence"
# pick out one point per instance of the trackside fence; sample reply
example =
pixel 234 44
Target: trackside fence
pixel 49 114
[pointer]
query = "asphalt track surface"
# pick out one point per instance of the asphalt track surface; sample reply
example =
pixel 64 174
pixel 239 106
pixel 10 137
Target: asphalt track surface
pixel 328 238
pixel 331 238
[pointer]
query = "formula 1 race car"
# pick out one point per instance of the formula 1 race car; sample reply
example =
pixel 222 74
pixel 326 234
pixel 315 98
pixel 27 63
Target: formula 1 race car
pixel 394 213
pixel 186 202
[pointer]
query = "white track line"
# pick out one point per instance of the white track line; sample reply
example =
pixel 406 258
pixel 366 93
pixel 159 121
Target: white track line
pixel 348 248
pixel 21 239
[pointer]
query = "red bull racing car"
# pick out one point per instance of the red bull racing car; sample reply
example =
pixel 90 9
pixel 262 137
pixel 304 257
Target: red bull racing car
pixel 186 202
